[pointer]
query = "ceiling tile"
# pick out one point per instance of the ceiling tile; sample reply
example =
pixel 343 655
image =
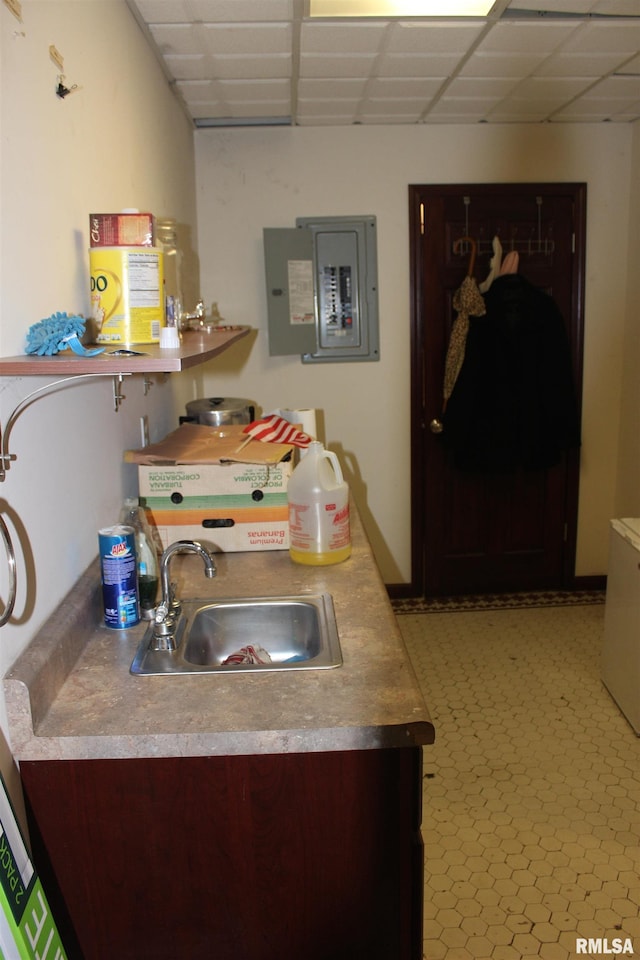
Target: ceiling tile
pixel 598 109
pixel 404 88
pixel 195 66
pixel 606 37
pixel 618 8
pixel 374 109
pixel 417 65
pixel 178 38
pixel 337 65
pixel 464 109
pixel 513 36
pixel 222 67
pixel 227 67
pixel 214 11
pixel 482 88
pixel 240 11
pixel 564 64
pixel 553 89
pixel 554 6
pixel 519 111
pixel 515 65
pixel 620 88
pixel 345 38
pixel 164 11
pixel 630 66
pixel 247 39
pixel 327 90
pixel 323 111
pixel 428 38
pixel 255 90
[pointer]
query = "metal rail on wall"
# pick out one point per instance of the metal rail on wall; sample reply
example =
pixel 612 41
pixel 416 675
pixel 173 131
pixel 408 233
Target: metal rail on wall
pixel 6 458
pixel 11 562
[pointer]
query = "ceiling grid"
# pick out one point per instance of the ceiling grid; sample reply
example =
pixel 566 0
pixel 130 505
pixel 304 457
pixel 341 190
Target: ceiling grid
pixel 241 62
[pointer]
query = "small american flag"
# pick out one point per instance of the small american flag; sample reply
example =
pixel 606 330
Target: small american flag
pixel 274 429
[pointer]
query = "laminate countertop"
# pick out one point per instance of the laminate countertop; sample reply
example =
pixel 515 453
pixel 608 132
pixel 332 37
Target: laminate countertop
pixel 70 694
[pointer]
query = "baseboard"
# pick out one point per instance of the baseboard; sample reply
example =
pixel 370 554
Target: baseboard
pixel 402 591
pixel 411 591
pixel 589 583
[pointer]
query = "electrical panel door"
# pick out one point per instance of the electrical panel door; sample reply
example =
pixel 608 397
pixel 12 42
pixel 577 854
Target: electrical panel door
pixel 288 257
pixel 324 281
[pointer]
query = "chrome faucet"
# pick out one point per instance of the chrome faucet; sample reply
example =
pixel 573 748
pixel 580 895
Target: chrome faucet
pixel 168 611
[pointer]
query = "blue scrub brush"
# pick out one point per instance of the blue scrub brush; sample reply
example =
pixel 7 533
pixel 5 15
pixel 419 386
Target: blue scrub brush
pixel 56 333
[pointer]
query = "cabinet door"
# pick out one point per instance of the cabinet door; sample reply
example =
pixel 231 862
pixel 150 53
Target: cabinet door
pixel 304 857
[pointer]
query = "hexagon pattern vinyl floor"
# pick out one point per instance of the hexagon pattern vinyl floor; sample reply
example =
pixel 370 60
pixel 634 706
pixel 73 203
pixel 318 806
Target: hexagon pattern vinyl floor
pixel 531 815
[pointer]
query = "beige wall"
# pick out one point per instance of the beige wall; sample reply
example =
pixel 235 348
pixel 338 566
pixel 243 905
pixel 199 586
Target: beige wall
pixel 119 140
pixel 628 476
pixel 250 179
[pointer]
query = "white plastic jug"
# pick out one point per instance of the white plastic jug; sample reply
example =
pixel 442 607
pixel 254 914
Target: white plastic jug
pixel 319 530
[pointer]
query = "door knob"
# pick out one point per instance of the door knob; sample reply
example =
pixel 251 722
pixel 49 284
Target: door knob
pixel 436 426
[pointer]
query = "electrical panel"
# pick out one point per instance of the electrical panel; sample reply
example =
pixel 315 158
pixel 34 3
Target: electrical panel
pixel 322 289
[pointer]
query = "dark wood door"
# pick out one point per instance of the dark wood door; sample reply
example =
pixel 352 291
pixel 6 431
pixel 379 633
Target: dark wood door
pixel 489 532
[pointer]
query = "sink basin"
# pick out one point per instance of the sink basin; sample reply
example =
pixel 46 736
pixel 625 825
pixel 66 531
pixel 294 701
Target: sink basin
pixel 258 634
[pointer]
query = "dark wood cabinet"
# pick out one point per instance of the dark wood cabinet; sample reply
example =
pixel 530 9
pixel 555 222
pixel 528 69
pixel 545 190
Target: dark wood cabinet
pixel 310 856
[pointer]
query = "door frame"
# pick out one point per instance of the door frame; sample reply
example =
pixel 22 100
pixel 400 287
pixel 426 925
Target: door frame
pixel 420 416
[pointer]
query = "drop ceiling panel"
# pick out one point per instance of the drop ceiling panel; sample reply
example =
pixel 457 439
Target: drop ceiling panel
pixel 501 65
pixel 246 39
pixel 433 38
pixel 337 65
pixel 530 61
pixel 631 66
pixel 417 65
pixel 489 90
pixel 215 11
pixel 565 64
pixel 514 36
pixel 620 8
pixel 608 37
pixel 345 38
pixel 413 90
pixel 350 89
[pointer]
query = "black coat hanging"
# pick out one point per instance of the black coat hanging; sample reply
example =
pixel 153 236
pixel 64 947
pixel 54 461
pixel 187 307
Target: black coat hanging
pixel 513 405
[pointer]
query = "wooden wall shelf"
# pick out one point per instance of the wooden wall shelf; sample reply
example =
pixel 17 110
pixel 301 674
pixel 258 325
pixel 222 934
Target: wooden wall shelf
pixel 196 348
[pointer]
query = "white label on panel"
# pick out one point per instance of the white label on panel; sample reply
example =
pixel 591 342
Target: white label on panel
pixel 301 305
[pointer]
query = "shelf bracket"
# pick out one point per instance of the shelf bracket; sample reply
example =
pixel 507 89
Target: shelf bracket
pixel 5 456
pixel 118 395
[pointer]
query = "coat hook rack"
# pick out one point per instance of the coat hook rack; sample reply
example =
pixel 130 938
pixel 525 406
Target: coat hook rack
pixel 542 246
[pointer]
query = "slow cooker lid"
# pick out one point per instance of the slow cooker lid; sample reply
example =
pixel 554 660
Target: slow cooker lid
pixel 218 404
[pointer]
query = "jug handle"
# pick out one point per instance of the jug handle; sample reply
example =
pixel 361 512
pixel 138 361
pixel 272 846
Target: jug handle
pixel 335 463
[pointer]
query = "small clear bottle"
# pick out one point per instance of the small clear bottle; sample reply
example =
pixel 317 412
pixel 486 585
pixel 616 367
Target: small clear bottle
pixel 133 515
pixel 167 242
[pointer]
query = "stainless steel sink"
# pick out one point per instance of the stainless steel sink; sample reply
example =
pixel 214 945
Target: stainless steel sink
pixel 285 633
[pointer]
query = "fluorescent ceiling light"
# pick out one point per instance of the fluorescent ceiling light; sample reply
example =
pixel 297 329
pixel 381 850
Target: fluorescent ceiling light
pixel 399 8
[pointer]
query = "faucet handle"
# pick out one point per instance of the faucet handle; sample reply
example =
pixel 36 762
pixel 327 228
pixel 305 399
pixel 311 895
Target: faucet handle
pixel 161 612
pixel 162 636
